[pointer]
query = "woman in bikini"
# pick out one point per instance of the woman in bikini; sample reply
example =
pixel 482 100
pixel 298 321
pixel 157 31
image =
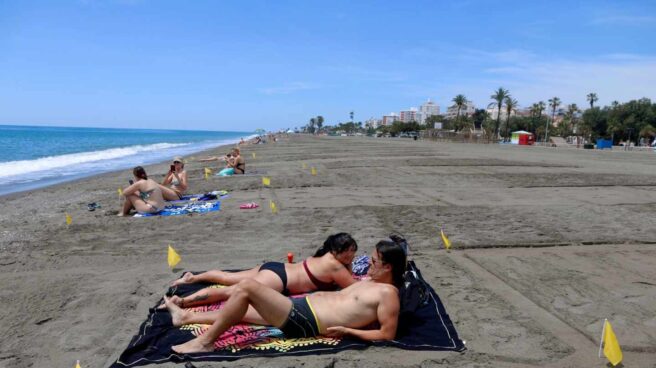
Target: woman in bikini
pixel 328 269
pixel 175 184
pixel 235 163
pixel 145 195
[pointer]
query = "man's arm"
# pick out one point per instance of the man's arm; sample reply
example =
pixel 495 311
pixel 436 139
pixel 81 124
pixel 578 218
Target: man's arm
pixel 388 318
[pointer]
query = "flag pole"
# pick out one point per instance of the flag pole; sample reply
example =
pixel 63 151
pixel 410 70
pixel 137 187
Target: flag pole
pixel 601 342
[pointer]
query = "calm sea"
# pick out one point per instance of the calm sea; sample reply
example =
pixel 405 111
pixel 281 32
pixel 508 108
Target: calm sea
pixel 33 157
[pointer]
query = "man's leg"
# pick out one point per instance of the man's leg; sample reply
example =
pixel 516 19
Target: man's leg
pixel 270 304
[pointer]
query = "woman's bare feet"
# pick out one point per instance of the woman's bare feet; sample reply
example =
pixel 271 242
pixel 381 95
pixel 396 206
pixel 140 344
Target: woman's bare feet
pixel 177 313
pixel 175 300
pixel 196 345
pixel 187 278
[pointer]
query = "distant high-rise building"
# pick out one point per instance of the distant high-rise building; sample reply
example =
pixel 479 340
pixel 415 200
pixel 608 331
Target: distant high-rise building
pixel 389 119
pixel 407 116
pixel 493 110
pixel 428 108
pixel 373 123
pixel 467 110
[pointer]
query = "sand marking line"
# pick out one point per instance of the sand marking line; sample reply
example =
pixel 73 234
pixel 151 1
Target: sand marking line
pixel 584 347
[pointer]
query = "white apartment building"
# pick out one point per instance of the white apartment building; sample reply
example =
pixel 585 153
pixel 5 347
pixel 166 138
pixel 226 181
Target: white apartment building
pixel 373 123
pixel 467 110
pixel 493 110
pixel 428 108
pixel 389 119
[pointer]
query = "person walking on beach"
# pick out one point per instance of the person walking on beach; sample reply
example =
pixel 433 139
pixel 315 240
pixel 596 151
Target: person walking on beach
pixel 329 268
pixel 144 195
pixel 335 314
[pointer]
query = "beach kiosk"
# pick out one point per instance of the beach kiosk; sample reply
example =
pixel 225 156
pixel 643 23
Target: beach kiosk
pixel 522 138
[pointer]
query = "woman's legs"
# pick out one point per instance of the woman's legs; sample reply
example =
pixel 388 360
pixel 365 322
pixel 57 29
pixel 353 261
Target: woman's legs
pixel 128 205
pixel 168 193
pixel 213 295
pixel 217 277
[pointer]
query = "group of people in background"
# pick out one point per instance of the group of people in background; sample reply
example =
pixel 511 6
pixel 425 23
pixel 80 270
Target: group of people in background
pixel 148 196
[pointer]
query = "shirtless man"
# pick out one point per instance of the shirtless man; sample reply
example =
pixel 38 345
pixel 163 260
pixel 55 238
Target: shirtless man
pixel 334 314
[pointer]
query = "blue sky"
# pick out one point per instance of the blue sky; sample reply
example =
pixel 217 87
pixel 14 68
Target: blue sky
pixel 241 65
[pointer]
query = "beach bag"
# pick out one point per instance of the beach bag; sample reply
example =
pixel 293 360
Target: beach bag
pixel 207 197
pixel 414 293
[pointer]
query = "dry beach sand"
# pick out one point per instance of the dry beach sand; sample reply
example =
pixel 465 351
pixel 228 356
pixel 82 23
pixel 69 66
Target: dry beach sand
pixel 549 242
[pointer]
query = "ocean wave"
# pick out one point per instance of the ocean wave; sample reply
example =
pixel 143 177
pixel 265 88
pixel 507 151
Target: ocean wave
pixel 20 168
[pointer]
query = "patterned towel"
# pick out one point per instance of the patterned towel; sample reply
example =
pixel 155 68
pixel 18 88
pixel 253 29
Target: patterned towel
pixel 428 329
pixel 185 209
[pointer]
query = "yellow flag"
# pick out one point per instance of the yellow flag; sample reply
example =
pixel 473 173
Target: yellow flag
pixel 445 240
pixel 120 192
pixel 266 181
pixel 69 219
pixel 208 172
pixel 274 208
pixel 304 165
pixel 313 171
pixel 174 257
pixel 612 349
pixel 254 155
pixel 77 364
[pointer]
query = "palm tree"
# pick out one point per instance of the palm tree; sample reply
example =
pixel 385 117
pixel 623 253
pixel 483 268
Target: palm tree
pixel 460 101
pixel 319 122
pixel 499 96
pixel 511 105
pixel 592 97
pixel 572 109
pixel 553 103
pixel 313 122
pixel 351 114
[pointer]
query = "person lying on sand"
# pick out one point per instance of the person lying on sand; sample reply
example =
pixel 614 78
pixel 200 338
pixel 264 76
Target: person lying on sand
pixel 334 314
pixel 328 269
pixel 175 182
pixel 145 195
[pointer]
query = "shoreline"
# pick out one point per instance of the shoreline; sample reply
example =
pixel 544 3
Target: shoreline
pixel 78 179
pixel 81 291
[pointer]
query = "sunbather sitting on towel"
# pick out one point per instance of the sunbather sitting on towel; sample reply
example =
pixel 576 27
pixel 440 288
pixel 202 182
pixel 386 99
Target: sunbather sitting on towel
pixel 328 269
pixel 175 184
pixel 338 313
pixel 235 164
pixel 145 195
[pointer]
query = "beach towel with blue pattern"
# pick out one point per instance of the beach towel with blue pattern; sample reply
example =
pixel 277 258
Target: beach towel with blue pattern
pixel 185 209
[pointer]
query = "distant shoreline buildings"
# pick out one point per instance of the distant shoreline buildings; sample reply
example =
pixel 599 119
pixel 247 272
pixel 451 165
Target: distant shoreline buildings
pixel 419 115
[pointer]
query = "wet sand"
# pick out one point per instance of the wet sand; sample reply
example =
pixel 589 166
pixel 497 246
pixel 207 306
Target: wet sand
pixel 547 243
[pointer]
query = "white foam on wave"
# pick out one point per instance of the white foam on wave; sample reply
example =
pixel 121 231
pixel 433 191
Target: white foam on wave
pixel 20 168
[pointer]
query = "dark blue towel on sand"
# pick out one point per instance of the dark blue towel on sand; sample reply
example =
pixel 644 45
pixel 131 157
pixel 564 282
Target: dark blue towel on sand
pixel 430 328
pixel 185 209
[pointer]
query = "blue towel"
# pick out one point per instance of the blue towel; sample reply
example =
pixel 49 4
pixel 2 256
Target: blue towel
pixel 194 207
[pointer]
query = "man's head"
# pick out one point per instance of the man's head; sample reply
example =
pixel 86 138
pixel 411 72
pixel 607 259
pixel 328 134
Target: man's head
pixel 388 262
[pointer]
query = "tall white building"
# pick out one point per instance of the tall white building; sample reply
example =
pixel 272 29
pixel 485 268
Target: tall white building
pixel 373 123
pixel 428 108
